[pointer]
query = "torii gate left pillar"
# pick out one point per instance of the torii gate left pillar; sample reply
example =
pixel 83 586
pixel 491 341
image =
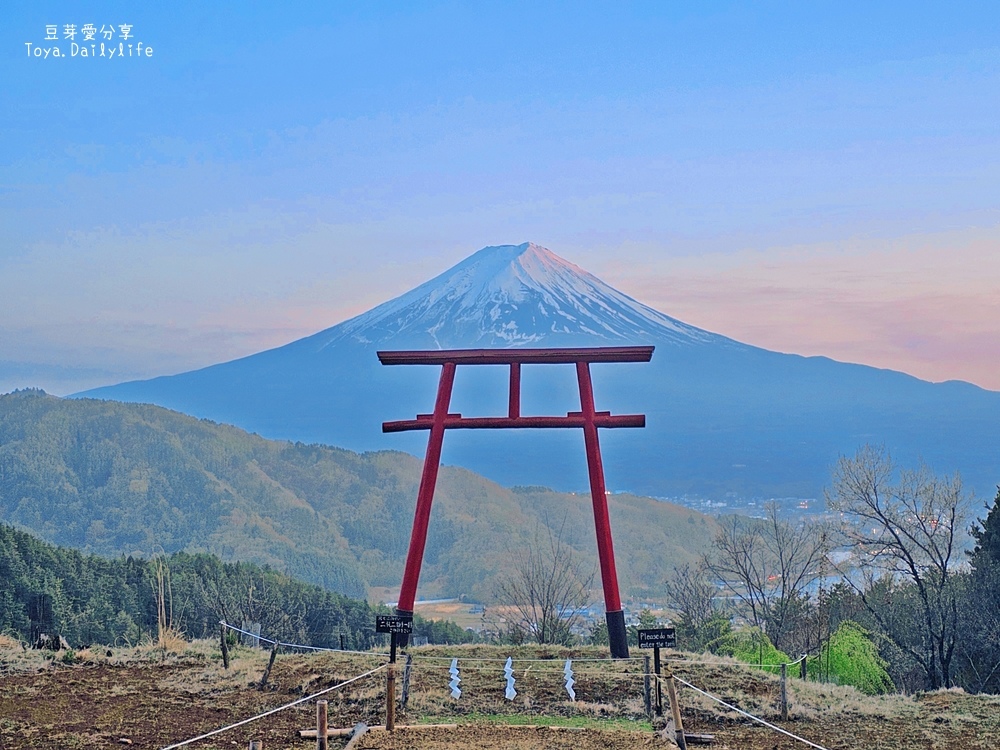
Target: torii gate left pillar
pixel 587 419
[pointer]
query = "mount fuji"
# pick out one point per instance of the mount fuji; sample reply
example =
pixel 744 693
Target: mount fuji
pixel 723 417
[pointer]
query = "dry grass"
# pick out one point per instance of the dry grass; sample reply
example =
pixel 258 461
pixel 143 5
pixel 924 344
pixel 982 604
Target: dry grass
pixel 7 643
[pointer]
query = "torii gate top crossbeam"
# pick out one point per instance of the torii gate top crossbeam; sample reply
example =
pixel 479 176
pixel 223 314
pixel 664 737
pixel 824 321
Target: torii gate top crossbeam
pixel 561 356
pixel 450 358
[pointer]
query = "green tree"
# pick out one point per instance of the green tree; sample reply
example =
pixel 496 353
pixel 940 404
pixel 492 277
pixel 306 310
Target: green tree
pixel 979 646
pixel 986 553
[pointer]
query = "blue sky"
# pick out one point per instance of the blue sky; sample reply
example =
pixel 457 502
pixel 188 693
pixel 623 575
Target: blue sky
pixel 811 177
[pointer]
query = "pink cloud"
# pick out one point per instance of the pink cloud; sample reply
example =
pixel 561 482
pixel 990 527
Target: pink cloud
pixel 928 305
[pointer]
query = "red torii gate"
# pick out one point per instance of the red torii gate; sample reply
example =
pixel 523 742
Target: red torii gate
pixel 587 418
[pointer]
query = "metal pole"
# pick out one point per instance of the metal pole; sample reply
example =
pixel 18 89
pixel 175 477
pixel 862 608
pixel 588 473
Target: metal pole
pixel 617 635
pixel 659 691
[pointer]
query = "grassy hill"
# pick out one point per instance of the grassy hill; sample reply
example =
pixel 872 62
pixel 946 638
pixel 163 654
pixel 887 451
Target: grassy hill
pixel 112 478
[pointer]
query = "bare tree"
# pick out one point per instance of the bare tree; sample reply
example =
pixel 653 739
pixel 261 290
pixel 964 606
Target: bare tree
pixel 544 589
pixel 767 565
pixel 905 530
pixel 691 595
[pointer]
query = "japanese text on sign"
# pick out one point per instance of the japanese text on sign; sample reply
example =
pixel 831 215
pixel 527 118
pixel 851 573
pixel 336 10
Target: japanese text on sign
pixel 393 624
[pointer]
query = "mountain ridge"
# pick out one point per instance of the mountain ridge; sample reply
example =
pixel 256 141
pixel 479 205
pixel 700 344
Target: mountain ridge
pixel 110 478
pixel 723 417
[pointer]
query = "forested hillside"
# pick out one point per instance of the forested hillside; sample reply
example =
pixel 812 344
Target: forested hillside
pixel 112 479
pixel 97 600
pixel 91 599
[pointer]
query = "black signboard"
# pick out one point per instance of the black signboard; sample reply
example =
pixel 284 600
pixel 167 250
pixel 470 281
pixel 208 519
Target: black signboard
pixel 393 624
pixel 657 638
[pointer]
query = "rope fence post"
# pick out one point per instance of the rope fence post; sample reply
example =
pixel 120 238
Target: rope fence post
pixel 784 692
pixel 646 697
pixel 390 687
pixel 803 668
pixel 270 663
pixel 223 645
pixel 321 726
pixel 659 689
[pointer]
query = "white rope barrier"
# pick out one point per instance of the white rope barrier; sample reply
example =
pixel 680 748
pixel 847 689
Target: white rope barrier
pixel 298 645
pixel 274 710
pixel 553 660
pixel 767 724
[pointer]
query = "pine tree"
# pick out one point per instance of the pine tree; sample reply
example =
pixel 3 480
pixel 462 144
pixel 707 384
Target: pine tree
pixel 986 553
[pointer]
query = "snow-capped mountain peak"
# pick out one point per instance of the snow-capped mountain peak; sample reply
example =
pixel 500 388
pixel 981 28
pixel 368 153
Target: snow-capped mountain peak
pixel 506 296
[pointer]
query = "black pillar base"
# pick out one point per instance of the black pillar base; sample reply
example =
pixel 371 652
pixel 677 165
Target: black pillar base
pixel 403 640
pixel 617 635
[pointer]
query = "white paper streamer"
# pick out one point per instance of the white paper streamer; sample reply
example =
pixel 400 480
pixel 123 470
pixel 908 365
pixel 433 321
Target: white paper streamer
pixel 568 672
pixel 508 672
pixel 456 691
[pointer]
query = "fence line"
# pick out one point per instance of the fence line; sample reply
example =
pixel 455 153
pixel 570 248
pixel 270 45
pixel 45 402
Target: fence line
pixel 767 724
pixel 274 710
pixel 553 660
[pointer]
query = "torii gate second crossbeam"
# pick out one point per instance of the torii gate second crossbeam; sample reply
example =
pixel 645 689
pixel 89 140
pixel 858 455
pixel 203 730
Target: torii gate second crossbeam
pixel 588 419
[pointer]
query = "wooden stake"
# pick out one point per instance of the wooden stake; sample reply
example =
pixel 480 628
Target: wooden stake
pixel 390 697
pixel 405 697
pixel 321 726
pixel 256 745
pixel 646 698
pixel 270 663
pixel 803 668
pixel 784 692
pixel 225 646
pixel 390 687
pixel 675 709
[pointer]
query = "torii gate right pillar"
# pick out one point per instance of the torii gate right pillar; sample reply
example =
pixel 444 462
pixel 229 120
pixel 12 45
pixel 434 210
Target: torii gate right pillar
pixel 615 615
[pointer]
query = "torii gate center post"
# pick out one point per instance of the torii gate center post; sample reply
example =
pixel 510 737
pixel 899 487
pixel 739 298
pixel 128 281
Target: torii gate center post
pixel 587 419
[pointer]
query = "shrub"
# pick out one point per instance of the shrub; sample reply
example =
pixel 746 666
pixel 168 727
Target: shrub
pixel 751 646
pixel 850 657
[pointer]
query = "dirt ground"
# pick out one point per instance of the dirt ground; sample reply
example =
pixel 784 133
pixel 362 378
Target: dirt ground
pixel 147 698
